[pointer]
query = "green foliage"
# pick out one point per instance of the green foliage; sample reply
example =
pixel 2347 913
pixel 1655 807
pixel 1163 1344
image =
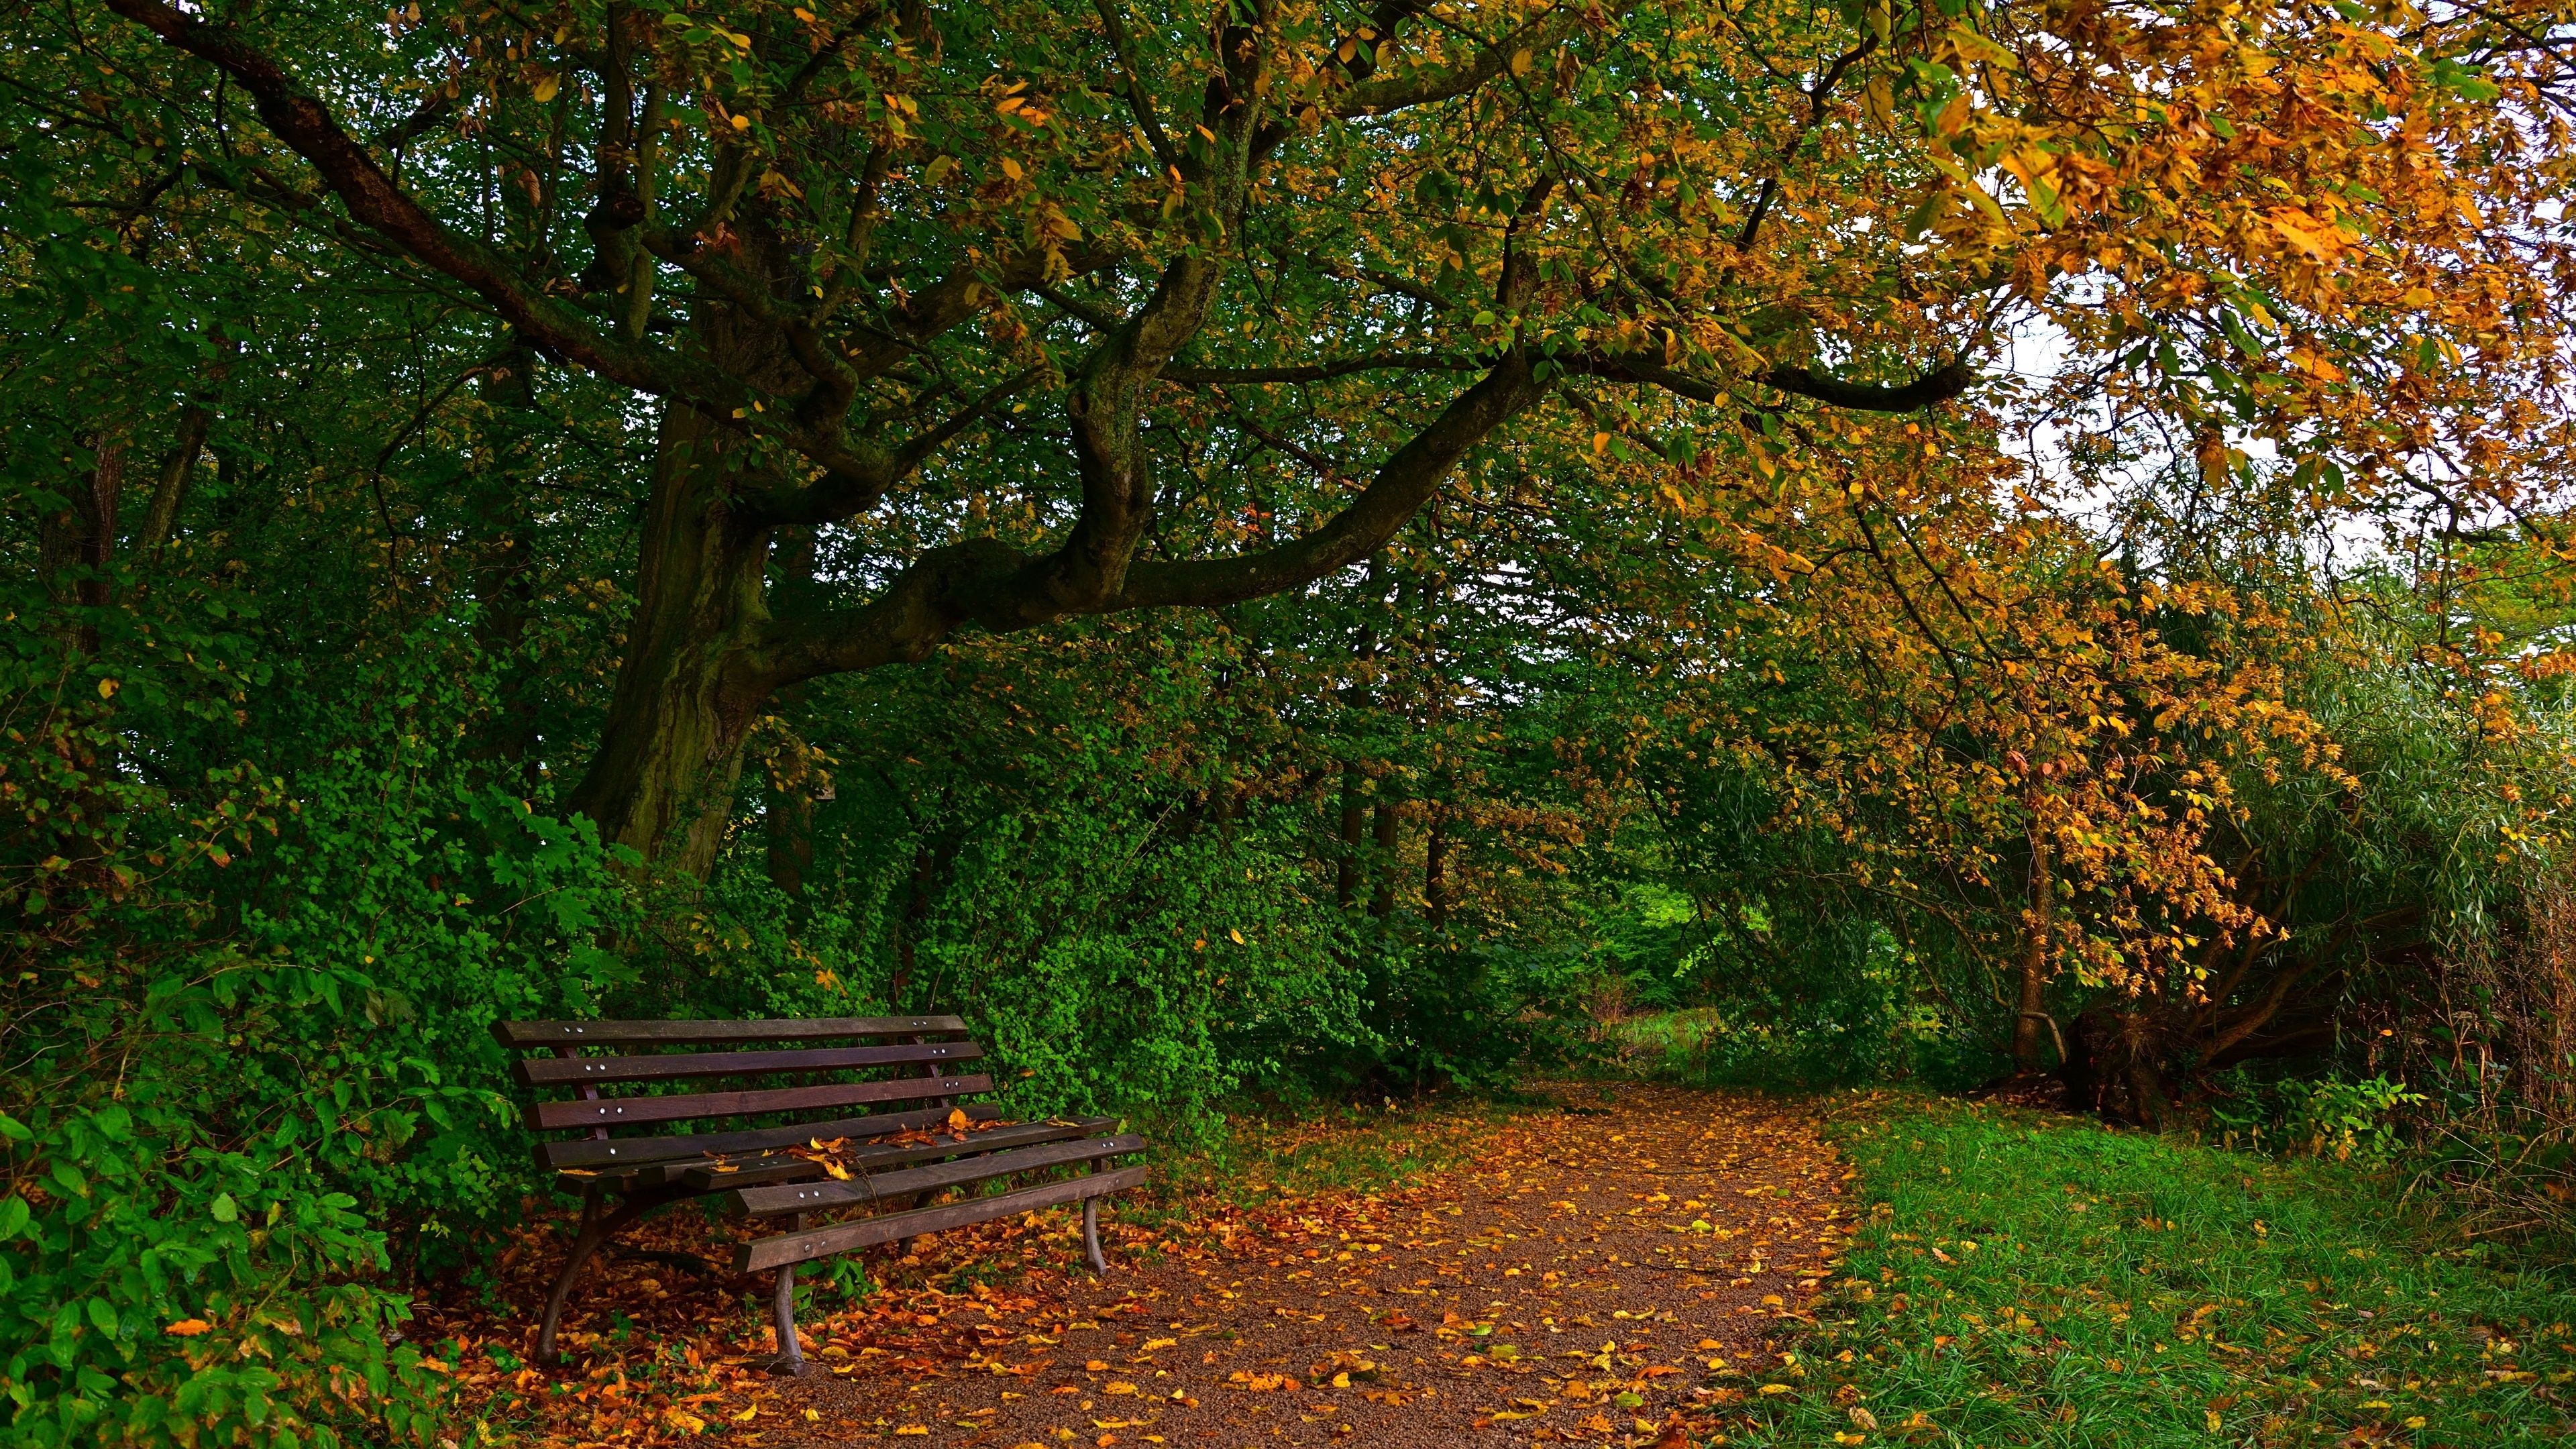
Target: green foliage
pixel 247 1029
pixel 2319 1117
pixel 2029 1280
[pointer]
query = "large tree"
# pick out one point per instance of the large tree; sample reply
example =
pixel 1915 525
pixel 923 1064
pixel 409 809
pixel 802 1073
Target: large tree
pixel 1077 308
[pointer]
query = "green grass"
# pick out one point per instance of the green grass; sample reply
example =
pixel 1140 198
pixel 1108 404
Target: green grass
pixel 2106 1288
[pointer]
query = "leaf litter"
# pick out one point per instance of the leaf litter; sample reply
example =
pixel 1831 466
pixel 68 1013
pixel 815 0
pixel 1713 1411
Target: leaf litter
pixel 1613 1274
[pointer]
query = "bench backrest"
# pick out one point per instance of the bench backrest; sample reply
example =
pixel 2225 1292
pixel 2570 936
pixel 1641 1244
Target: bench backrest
pixel 919 1053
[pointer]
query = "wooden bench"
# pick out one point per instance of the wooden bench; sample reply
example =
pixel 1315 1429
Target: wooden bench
pixel 619 1073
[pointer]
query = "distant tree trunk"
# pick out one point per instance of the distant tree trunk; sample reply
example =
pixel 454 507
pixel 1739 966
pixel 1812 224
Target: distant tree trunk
pixel 1435 867
pixel 170 488
pixel 2028 1026
pixel 81 535
pixel 1386 838
pixel 1346 875
pixel 503 567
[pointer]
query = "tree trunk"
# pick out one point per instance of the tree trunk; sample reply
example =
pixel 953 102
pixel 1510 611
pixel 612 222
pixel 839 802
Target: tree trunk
pixel 1346 874
pixel 82 536
pixel 2029 1026
pixel 794 782
pixel 1435 869
pixel 670 758
pixel 663 780
pixel 1386 837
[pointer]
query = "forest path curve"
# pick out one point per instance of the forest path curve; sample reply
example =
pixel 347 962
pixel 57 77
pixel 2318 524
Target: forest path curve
pixel 1571 1285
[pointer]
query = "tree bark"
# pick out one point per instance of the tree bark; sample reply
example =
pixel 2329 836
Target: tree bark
pixel 2027 1033
pixel 1386 837
pixel 1435 868
pixel 1346 874
pixel 664 778
pixel 81 536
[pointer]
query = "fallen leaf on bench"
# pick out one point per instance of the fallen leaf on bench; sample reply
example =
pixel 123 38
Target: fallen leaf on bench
pixel 833 1169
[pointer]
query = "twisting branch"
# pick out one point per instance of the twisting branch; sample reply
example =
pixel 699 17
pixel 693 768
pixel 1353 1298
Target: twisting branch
pixel 1931 389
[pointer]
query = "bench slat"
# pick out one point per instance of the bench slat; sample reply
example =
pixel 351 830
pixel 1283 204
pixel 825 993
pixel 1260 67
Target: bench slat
pixel 620 1152
pixel 627 1111
pixel 766 1253
pixel 588 1071
pixel 687 1033
pixel 786 1169
pixel 761 1202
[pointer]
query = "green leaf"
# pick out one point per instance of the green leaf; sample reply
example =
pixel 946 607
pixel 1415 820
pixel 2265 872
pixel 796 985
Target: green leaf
pixel 14 1217
pixel 14 1129
pixel 226 1211
pixel 103 1313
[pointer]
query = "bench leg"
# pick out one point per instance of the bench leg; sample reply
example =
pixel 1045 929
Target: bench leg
pixel 790 1359
pixel 596 1230
pixel 1091 1236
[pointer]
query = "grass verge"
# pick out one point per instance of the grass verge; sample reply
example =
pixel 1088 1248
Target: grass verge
pixel 2027 1279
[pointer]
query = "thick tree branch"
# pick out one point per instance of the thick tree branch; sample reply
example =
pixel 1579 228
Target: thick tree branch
pixel 1321 371
pixel 300 119
pixel 1938 386
pixel 1403 483
pixel 988 583
pixel 1426 85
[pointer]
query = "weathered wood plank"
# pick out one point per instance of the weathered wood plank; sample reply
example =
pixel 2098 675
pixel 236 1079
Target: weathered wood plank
pixel 529 1034
pixel 590 1071
pixel 804 1247
pixel 761 1202
pixel 633 1111
pixel 619 1151
pixel 997 1139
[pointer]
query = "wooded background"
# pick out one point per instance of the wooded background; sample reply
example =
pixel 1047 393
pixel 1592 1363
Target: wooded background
pixel 1286 550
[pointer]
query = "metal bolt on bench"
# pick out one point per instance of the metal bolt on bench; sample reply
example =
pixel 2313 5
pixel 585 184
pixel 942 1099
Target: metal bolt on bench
pixel 749 1168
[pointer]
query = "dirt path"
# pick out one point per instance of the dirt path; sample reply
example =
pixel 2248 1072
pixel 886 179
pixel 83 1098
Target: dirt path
pixel 1575 1284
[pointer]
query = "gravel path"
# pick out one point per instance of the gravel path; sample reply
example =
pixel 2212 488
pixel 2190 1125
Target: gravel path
pixel 1593 1275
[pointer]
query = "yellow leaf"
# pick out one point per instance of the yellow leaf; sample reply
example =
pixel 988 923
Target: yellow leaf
pixel 107 689
pixel 545 88
pixel 914 1429
pixel 1520 62
pixel 1119 1387
pixel 747 1415
pixel 833 1169
pixel 1011 168
pixel 742 123
pixel 958 1120
pixel 1235 935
